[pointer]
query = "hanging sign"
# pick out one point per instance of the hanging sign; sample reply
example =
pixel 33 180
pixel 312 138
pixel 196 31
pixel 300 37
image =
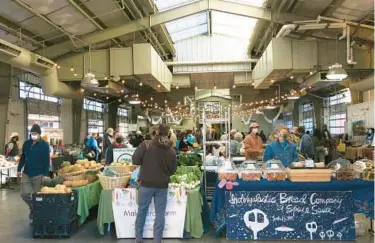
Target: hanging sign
pixel 125 208
pixel 253 215
pixel 123 154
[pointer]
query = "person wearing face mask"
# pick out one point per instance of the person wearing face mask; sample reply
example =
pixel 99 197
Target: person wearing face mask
pixel 117 143
pixel 281 149
pixel 253 143
pixel 11 148
pixel 35 165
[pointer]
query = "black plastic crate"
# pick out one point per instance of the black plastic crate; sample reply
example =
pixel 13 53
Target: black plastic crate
pixel 42 230
pixel 54 208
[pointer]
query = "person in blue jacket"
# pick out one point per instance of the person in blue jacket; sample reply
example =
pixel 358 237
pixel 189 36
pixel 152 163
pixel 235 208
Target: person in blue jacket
pixel 35 165
pixel 281 148
pixel 92 145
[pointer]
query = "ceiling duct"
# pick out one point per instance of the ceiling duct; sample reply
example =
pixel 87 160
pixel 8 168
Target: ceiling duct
pixel 45 68
pixel 285 57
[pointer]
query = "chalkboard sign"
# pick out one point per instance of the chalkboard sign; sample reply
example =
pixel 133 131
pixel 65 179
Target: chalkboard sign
pixel 289 215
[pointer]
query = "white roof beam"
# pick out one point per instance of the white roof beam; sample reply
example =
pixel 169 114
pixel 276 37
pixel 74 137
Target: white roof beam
pixel 166 16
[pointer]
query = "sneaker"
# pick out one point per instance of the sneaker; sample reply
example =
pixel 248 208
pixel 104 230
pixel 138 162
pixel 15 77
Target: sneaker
pixel 138 241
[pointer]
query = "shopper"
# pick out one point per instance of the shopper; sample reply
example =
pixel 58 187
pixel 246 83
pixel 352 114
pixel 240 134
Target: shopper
pixel 235 144
pixel 232 133
pixel 137 140
pixel 306 145
pixel 318 145
pixel 281 149
pixel 91 147
pixel 370 136
pixel 118 142
pixel 11 148
pixel 253 143
pixel 158 162
pixel 35 165
pixel 295 137
pixel 107 140
pixel 190 137
pixel 329 145
pixel 173 138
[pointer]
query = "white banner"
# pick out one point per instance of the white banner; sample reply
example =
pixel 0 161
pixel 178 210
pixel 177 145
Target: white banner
pixel 125 208
pixel 123 154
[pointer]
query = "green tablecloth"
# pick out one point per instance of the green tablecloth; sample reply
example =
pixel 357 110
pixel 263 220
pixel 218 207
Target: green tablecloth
pixel 88 197
pixel 193 219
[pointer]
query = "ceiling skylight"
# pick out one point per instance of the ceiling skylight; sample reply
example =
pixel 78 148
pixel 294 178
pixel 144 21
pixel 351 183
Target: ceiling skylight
pixel 255 3
pixel 188 26
pixel 164 5
pixel 232 25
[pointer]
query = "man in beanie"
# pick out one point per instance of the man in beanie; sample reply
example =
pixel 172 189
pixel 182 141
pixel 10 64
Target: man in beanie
pixel 35 164
pixel 158 162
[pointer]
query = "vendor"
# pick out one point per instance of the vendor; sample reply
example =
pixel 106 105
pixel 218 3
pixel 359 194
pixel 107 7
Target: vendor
pixel 117 143
pixel 11 149
pixel 281 148
pixel 370 136
pixel 253 143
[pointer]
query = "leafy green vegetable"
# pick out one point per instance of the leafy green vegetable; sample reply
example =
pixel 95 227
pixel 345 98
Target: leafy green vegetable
pixel 187 174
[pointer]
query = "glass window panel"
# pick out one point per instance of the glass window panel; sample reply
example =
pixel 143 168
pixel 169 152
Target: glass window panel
pixel 164 5
pixel 188 26
pixel 232 25
pixel 255 3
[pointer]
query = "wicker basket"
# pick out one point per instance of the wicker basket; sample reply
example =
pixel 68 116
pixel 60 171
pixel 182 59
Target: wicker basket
pixel 109 183
pixel 124 169
pixel 78 175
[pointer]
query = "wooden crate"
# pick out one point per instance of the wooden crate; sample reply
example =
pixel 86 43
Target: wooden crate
pixel 309 175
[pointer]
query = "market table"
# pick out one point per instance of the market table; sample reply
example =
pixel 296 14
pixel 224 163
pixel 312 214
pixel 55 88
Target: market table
pixel 196 220
pixel 362 192
pixel 88 197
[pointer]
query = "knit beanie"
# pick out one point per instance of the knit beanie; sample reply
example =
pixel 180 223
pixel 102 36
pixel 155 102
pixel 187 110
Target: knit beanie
pixel 36 128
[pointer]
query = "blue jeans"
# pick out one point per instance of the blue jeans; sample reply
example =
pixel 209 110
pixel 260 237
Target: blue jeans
pixel 145 196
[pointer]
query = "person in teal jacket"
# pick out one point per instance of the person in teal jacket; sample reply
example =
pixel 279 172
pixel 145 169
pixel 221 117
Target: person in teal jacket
pixel 281 148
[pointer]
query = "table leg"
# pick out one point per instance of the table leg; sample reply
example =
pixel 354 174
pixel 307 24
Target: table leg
pixel 109 227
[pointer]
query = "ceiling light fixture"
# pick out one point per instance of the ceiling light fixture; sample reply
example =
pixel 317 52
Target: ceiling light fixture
pixel 75 74
pixel 293 95
pixel 272 81
pixel 123 81
pixel 336 72
pixel 140 84
pixel 234 86
pixel 291 77
pixel 72 69
pixel 177 87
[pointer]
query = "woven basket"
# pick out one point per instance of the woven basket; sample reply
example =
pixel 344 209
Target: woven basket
pixel 124 169
pixel 109 183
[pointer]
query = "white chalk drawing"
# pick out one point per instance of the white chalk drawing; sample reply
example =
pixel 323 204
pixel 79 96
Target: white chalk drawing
pixel 311 227
pixel 339 220
pixel 339 235
pixel 256 225
pixel 284 229
pixel 322 235
pixel 330 234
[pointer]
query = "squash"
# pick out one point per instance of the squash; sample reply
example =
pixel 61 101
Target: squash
pixel 68 183
pixel 65 164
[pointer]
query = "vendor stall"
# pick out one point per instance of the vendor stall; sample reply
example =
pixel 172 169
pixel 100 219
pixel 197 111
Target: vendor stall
pixel 283 205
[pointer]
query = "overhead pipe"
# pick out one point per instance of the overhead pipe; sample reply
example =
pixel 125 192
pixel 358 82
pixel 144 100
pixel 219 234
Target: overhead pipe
pixel 192 63
pixel 286 29
pixel 371 27
pixel 349 48
pixel 23 59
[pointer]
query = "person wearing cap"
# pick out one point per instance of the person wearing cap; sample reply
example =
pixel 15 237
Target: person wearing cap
pixel 158 162
pixel 11 148
pixel 107 140
pixel 253 143
pixel 35 165
pixel 137 140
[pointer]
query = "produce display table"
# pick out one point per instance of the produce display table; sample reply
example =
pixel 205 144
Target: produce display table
pixel 196 221
pixel 6 173
pixel 88 197
pixel 57 161
pixel 362 193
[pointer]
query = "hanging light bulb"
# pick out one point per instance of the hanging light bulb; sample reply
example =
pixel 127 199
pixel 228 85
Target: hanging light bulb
pixel 119 100
pixel 107 98
pixel 72 69
pixel 159 86
pixel 140 84
pixel 196 87
pixel 151 98
pixel 123 81
pixel 311 72
pixel 291 77
pixel 82 90
pixel 122 91
pixel 272 81
pixel 178 103
pixel 165 101
pixel 215 87
pixel 58 67
pixel 234 86
pixel 94 94
pixel 75 74
pixel 105 78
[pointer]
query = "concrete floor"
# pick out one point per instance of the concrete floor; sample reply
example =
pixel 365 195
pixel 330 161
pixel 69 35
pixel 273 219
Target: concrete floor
pixel 15 226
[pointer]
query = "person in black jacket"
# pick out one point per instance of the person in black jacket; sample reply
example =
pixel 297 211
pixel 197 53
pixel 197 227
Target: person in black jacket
pixel 158 162
pixel 107 140
pixel 117 143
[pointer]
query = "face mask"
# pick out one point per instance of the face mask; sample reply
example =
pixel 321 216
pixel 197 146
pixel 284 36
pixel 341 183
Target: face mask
pixel 255 130
pixel 283 136
pixel 34 137
pixel 119 140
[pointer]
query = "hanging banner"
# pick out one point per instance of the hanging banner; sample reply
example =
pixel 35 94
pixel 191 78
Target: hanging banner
pixel 291 215
pixel 125 208
pixel 123 154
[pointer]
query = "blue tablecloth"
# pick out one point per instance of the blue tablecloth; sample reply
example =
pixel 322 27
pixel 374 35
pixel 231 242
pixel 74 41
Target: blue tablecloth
pixel 363 194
